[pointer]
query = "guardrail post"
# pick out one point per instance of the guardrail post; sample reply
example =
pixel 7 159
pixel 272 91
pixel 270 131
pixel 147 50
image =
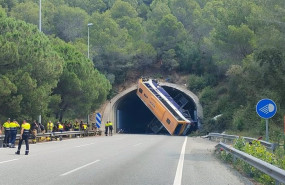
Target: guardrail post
pixel 234 159
pixel 1 142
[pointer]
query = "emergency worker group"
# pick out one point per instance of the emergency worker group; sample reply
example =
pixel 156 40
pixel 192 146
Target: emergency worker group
pixel 109 128
pixel 10 129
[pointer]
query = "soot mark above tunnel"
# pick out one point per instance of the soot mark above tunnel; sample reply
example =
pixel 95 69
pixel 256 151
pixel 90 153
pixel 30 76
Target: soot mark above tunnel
pixel 133 116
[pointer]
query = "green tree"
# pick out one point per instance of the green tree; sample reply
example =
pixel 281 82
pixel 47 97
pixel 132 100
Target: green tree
pixel 8 4
pixel 127 17
pixel 70 23
pixel 112 46
pixel 90 6
pixel 81 87
pixel 29 68
pixel 185 12
pixel 169 33
pixel 28 12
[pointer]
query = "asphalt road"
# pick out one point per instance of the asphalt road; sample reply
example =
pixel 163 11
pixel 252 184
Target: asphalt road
pixel 118 160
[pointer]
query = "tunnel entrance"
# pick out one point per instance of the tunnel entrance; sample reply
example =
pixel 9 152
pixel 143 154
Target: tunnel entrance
pixel 133 116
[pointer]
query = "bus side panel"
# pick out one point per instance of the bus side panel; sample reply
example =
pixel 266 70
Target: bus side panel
pixel 157 109
pixel 169 122
pixel 182 129
pixel 151 102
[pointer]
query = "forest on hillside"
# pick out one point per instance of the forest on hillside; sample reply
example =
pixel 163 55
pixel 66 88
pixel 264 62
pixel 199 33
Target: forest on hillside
pixel 232 50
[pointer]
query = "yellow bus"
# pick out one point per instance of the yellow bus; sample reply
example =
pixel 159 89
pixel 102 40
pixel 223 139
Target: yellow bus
pixel 162 105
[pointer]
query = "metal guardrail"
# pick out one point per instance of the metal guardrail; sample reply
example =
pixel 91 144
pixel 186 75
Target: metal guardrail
pixel 268 145
pixel 273 171
pixel 54 134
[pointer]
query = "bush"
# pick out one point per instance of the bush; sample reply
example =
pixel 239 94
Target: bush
pixel 196 83
pixel 259 151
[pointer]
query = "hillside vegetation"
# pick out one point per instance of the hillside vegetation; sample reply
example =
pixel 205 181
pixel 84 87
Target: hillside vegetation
pixel 232 50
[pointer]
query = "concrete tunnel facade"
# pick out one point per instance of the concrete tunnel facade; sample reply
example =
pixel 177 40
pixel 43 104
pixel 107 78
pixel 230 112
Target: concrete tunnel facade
pixel 129 113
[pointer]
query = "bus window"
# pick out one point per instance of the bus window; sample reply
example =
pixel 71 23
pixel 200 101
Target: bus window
pixel 168 121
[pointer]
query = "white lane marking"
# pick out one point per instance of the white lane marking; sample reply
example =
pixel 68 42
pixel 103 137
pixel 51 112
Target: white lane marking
pixel 85 145
pixel 138 144
pixel 8 161
pixel 179 171
pixel 71 171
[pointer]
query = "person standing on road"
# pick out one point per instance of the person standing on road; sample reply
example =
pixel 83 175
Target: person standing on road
pixel 60 129
pixel 49 126
pixel 6 127
pixel 106 128
pixel 81 125
pixel 85 129
pixel 13 133
pixel 42 128
pixel 76 127
pixel 25 134
pixel 35 127
pixel 110 128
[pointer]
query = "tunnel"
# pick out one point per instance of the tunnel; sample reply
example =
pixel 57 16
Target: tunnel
pixel 130 115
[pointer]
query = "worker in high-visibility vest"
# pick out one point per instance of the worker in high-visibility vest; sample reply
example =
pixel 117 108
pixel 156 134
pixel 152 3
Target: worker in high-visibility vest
pixel 84 126
pixel 76 126
pixel 13 133
pixel 106 128
pixel 110 128
pixel 85 129
pixel 25 134
pixel 60 127
pixel 6 127
pixel 49 126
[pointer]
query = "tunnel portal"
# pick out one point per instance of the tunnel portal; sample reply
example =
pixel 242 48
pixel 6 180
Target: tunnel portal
pixel 133 116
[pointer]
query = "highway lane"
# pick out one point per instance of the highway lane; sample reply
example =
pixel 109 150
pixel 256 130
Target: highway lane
pixel 117 160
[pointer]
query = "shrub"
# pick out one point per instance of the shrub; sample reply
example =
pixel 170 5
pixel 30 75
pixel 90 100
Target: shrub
pixel 196 83
pixel 259 151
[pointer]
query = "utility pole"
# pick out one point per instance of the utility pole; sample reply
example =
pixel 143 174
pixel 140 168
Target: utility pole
pixel 88 25
pixel 40 28
pixel 88 55
pixel 40 16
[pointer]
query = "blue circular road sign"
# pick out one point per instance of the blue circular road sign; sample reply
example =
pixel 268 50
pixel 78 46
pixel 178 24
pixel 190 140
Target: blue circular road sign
pixel 266 108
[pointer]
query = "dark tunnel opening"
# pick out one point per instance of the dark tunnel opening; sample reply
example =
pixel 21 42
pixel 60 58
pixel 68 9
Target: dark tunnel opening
pixel 133 116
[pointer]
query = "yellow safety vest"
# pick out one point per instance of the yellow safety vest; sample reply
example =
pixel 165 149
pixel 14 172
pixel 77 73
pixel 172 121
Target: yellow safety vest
pixel 110 124
pixel 106 124
pixel 84 126
pixel 60 126
pixel 49 125
pixel 76 126
pixel 6 125
pixel 14 124
pixel 26 126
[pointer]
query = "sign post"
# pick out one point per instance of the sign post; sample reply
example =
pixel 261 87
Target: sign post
pixel 266 109
pixel 98 120
pixel 284 135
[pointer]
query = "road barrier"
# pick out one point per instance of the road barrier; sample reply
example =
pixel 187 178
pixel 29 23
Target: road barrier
pixel 225 137
pixel 273 171
pixel 55 135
